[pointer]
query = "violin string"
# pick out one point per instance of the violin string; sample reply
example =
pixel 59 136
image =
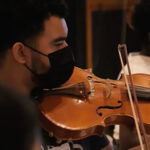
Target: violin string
pixel 131 101
pixel 143 91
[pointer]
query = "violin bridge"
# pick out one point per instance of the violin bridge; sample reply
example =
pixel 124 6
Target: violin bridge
pixel 108 88
pixel 91 83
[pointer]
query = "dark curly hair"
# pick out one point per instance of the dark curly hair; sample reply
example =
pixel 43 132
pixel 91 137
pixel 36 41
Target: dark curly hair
pixel 22 20
pixel 141 20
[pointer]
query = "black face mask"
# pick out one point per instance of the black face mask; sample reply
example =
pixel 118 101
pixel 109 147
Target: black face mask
pixel 62 65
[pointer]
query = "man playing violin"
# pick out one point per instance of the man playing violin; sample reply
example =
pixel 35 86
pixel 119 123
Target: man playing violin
pixel 34 53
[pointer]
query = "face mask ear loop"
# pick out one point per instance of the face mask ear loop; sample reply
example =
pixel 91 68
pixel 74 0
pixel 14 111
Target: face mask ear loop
pixel 30 70
pixel 35 50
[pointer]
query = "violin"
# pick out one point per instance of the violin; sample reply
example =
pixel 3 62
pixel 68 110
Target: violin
pixel 86 104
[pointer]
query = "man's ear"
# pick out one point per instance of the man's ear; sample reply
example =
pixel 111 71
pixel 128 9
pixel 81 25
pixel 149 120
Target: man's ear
pixel 18 51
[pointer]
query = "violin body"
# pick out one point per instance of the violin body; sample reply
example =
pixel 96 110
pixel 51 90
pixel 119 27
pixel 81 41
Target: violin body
pixel 69 117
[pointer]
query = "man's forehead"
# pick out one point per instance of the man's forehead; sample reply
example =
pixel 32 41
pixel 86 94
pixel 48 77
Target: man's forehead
pixel 55 21
pixel 56 26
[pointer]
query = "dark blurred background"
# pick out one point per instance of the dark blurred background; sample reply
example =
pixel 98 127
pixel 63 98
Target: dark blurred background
pixel 106 35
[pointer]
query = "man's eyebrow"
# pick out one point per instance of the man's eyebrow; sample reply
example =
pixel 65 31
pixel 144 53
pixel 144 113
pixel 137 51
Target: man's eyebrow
pixel 59 39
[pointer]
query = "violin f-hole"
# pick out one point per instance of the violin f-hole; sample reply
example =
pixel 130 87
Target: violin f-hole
pixel 108 107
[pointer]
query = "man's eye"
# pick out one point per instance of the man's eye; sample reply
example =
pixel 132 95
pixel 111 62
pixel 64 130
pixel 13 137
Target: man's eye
pixel 58 44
